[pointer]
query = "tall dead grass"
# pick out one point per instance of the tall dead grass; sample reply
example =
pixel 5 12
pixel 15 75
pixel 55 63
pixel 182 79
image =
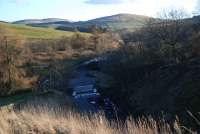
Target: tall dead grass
pixel 40 120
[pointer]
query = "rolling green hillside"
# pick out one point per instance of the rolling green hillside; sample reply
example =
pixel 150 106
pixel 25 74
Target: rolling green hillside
pixel 14 30
pixel 121 21
pixel 114 22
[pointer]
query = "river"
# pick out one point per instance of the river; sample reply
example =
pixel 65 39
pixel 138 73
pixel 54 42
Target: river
pixel 86 97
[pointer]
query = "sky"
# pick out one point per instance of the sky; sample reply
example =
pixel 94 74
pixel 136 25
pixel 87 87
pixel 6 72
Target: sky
pixel 80 10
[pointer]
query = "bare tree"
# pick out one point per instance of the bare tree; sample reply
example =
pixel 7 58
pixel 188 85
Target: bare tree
pixel 78 41
pixel 169 27
pixel 167 31
pixel 96 35
pixel 9 69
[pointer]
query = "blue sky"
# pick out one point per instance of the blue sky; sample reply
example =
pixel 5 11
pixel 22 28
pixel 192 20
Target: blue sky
pixel 11 10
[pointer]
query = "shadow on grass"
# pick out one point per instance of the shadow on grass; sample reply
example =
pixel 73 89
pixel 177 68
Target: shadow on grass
pixel 7 100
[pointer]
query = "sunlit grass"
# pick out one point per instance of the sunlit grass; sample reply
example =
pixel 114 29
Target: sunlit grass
pixel 47 119
pixel 15 30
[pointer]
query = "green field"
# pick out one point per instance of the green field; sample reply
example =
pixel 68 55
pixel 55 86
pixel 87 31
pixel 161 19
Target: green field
pixel 23 31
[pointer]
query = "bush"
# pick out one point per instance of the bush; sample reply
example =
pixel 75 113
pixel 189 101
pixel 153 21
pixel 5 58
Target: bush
pixel 78 41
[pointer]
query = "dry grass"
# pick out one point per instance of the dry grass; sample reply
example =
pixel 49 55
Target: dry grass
pixel 47 120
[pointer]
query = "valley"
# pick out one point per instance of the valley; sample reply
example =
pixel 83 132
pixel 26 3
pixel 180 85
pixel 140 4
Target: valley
pixel 118 74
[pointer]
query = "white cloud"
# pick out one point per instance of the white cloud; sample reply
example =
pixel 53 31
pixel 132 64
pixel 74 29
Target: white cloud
pixel 198 7
pixel 104 2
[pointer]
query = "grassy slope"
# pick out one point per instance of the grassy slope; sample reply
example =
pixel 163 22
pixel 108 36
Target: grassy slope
pixel 14 30
pixel 127 25
pixel 26 32
pixel 121 21
pixel 55 117
pixel 114 22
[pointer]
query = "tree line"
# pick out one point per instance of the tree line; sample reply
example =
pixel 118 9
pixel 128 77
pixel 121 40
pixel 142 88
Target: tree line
pixel 155 72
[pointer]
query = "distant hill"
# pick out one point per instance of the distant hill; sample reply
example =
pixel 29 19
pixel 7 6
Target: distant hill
pixel 196 19
pixel 115 22
pixel 40 21
pixel 3 21
pixel 119 21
